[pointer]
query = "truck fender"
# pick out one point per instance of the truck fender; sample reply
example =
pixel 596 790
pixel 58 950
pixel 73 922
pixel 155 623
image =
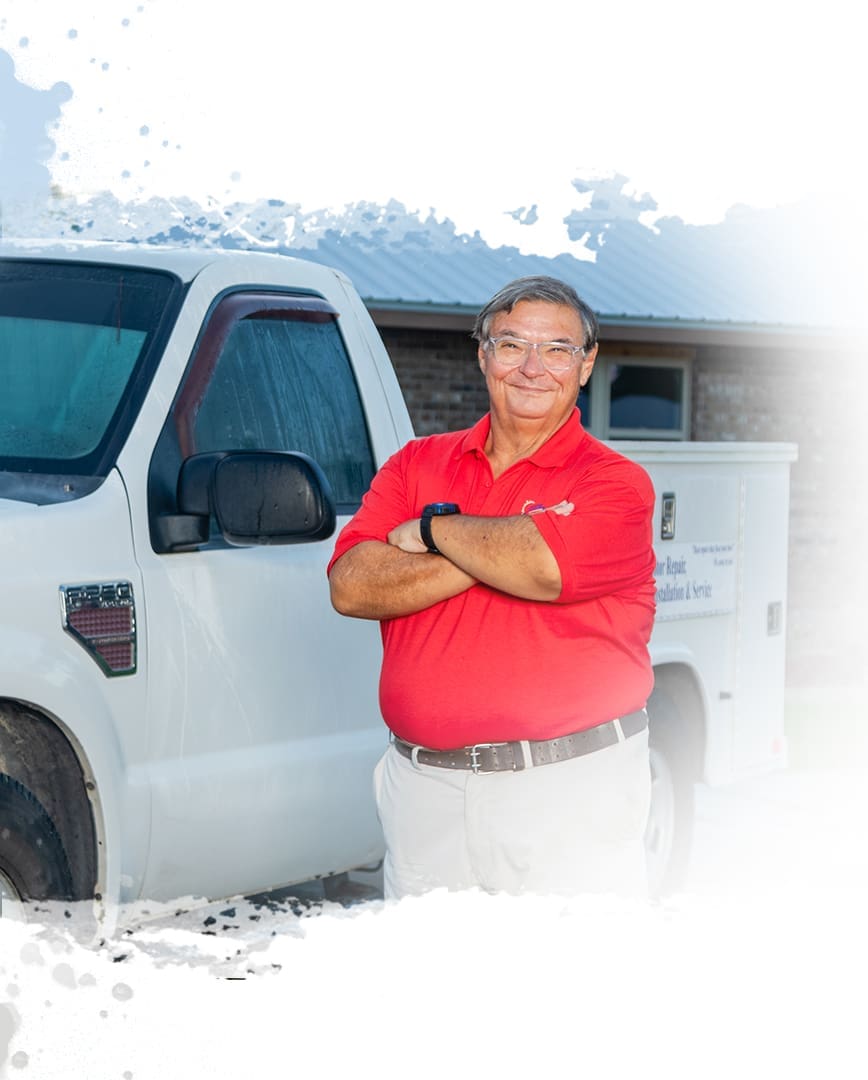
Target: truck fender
pixel 58 740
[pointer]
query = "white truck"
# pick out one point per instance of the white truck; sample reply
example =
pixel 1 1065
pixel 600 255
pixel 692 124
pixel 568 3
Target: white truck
pixel 182 713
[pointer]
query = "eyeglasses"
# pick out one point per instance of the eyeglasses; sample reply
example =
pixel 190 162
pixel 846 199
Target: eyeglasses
pixel 554 355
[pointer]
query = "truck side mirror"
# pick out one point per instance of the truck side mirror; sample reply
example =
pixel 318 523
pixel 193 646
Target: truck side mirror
pixel 255 496
pixel 261 497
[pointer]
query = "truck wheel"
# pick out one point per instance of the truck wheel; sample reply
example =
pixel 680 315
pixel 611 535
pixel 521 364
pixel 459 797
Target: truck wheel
pixel 33 863
pixel 669 833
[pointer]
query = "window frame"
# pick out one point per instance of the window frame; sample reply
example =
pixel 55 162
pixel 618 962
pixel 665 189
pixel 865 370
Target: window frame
pixel 599 387
pixel 177 439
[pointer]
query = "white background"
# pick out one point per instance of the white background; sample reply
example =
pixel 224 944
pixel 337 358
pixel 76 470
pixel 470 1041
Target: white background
pixel 474 110
pixel 466 108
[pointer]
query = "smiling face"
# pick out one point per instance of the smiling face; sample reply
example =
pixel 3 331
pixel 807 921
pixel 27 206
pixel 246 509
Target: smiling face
pixel 529 393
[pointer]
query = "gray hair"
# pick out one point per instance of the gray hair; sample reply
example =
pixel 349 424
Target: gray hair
pixel 549 289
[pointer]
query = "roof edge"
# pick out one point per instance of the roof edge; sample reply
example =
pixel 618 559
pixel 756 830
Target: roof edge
pixel 402 314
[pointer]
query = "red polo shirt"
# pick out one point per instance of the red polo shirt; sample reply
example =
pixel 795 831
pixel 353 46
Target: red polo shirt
pixel 489 667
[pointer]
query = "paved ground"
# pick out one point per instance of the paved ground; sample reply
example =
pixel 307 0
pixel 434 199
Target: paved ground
pixel 800 829
pixel 791 832
pixel 797 829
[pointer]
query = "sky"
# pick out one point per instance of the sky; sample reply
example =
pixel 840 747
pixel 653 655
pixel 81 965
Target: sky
pixel 478 117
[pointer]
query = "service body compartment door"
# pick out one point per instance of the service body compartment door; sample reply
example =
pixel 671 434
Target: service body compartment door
pixel 697 588
pixel 720 536
pixel 758 734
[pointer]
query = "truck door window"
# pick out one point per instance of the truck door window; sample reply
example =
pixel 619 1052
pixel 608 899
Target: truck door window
pixel 278 377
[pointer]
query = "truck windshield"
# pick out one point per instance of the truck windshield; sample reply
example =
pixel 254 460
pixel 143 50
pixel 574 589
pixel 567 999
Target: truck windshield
pixel 75 342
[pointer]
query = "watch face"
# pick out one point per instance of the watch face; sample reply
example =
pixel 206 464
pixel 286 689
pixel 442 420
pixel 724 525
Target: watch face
pixel 440 508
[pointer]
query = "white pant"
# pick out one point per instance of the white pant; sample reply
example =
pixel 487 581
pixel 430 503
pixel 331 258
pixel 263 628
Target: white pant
pixel 570 827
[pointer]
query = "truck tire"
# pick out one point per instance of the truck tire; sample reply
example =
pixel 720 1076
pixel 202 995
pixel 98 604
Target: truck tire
pixel 669 834
pixel 33 863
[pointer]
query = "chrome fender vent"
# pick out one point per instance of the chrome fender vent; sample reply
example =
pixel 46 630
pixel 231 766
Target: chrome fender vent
pixel 102 618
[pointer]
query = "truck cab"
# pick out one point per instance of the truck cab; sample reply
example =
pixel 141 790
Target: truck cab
pixel 181 711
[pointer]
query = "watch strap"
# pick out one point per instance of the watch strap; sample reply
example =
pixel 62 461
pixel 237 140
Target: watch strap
pixel 425 532
pixel 431 510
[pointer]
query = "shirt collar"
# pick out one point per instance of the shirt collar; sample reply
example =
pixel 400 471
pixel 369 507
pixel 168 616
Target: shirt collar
pixel 566 439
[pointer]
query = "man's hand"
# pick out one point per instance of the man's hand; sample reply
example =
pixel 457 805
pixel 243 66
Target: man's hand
pixel 374 580
pixel 407 537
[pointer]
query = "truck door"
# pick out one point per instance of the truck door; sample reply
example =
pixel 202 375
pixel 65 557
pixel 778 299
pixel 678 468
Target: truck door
pixel 264 722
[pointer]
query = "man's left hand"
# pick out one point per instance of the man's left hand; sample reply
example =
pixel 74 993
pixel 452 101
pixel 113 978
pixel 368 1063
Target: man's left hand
pixel 407 537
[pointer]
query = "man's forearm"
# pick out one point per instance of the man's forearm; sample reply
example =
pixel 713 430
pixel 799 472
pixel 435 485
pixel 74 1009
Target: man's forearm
pixel 506 553
pixel 374 580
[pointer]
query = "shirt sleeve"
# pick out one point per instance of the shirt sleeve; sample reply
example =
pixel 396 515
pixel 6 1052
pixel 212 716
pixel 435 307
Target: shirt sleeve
pixel 384 506
pixel 603 544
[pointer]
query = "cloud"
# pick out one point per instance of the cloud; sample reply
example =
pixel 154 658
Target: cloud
pixel 25 147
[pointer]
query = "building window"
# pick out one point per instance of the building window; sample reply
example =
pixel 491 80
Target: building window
pixel 638 398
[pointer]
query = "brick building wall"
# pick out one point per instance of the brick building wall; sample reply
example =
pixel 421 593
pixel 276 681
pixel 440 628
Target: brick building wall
pixel 440 377
pixel 806 396
pixel 810 397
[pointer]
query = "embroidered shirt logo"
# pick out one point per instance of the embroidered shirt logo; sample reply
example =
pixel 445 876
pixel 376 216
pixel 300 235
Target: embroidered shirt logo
pixel 563 508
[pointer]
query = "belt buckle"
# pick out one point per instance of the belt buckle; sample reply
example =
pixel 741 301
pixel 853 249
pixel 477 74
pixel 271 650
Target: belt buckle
pixel 474 757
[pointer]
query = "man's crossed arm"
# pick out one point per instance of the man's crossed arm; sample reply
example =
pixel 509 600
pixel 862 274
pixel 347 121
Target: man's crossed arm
pixel 375 580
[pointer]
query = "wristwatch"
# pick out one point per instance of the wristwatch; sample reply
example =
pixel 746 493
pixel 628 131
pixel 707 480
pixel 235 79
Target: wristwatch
pixel 438 509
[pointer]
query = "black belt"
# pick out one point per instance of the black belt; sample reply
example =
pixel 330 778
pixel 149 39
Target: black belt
pixel 514 756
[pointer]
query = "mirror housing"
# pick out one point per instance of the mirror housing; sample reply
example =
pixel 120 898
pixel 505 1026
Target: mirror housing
pixel 260 497
pixel 255 496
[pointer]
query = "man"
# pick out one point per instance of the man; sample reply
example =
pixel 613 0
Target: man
pixel 511 567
